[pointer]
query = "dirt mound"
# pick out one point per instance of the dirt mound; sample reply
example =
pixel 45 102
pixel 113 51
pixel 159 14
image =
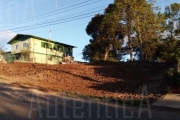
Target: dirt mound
pixel 117 80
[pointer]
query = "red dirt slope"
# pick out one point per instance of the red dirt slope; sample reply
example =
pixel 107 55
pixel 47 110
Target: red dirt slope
pixel 117 80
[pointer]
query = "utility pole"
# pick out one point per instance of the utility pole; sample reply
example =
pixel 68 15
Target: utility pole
pixel 47 47
pixel 33 50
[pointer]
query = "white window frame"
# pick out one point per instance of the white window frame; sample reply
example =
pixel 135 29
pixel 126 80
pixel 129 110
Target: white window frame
pixel 23 44
pixel 16 46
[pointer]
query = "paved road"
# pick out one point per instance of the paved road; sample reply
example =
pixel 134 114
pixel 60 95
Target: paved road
pixel 170 100
pixel 18 103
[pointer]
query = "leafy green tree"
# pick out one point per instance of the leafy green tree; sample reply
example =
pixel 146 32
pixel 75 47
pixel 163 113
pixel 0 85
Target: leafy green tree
pixel 173 19
pixel 105 31
pixel 141 22
pixel 132 19
pixel 169 49
pixel 112 30
pixel 93 51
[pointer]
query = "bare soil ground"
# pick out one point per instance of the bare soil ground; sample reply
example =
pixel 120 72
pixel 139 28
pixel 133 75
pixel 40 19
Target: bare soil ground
pixel 115 80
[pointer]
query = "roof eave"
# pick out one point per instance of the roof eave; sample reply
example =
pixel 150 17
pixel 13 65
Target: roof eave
pixel 53 41
pixel 32 36
pixel 12 39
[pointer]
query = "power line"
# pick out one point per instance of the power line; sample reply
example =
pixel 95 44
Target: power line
pixel 47 14
pixel 159 2
pixel 55 22
pixel 50 24
pixel 57 12
pixel 48 7
pixel 13 4
pixel 63 21
pixel 46 25
pixel 57 29
pixel 54 29
pixel 64 27
pixel 59 21
pixel 44 5
pixel 26 8
pixel 64 17
pixel 5 3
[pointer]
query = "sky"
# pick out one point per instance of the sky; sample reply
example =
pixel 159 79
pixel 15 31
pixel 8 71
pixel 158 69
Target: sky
pixel 66 19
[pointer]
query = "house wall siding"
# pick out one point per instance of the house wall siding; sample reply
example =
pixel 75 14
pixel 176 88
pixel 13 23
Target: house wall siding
pixel 41 55
pixel 20 47
pixel 38 53
pixel 42 58
pixel 36 47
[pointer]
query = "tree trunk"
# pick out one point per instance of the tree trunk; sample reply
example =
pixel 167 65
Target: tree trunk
pixel 131 52
pixel 178 67
pixel 141 51
pixel 146 57
pixel 129 40
pixel 106 55
pixel 140 39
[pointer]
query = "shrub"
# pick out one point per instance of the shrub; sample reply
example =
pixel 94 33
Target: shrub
pixel 172 77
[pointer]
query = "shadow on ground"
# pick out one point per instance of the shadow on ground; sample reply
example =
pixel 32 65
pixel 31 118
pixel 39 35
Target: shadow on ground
pixel 22 104
pixel 129 76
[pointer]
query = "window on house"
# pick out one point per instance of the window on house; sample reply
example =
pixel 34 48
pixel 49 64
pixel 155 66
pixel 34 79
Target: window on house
pixel 24 45
pixel 28 45
pixel 61 49
pixel 16 47
pixel 46 45
pixel 58 48
pixel 69 49
pixel 55 47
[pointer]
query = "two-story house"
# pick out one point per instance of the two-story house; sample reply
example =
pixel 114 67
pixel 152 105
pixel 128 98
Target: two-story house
pixel 35 49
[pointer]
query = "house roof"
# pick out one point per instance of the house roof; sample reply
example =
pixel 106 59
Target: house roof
pixel 32 36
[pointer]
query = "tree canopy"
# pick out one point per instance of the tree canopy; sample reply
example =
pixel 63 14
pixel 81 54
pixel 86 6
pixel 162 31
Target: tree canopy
pixel 134 26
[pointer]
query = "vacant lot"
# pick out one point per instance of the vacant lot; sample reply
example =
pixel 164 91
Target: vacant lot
pixel 116 80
